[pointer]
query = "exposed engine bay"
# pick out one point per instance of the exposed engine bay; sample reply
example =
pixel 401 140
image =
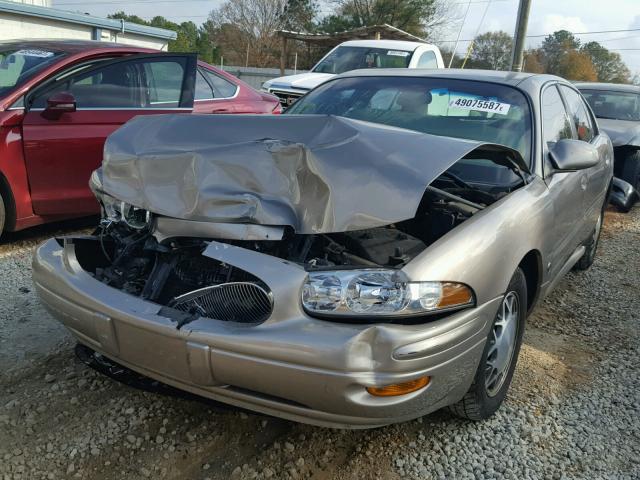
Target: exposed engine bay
pixel 168 270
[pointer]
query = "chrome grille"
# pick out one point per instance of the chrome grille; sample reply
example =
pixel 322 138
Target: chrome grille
pixel 244 302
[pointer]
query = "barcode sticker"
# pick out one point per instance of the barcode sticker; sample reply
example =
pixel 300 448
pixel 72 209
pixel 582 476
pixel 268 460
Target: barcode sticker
pixel 490 106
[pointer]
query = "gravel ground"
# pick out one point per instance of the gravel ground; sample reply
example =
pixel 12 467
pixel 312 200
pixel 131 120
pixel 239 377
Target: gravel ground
pixel 573 410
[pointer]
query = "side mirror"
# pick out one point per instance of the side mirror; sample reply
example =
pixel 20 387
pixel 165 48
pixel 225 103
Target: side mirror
pixel 59 103
pixel 568 155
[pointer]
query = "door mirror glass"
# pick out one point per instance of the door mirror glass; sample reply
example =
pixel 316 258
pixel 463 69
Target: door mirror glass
pixel 568 155
pixel 59 103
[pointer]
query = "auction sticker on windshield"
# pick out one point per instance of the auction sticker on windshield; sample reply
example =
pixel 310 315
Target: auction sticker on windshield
pixel 397 53
pixel 479 105
pixel 34 53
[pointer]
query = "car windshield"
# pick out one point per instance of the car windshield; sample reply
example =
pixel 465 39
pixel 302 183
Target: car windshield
pixel 614 105
pixel 344 59
pixel 440 106
pixel 17 65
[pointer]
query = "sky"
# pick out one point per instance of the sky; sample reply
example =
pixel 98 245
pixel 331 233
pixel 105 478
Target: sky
pixel 546 16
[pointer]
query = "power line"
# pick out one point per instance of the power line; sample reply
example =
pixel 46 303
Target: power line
pixel 547 34
pixel 484 14
pixel 455 47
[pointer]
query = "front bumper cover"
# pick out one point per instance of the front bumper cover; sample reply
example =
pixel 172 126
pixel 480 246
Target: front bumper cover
pixel 291 366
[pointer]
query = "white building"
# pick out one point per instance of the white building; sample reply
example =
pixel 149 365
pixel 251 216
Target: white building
pixel 32 19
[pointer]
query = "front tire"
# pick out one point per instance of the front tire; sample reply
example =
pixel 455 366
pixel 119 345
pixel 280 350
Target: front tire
pixel 631 168
pixel 498 362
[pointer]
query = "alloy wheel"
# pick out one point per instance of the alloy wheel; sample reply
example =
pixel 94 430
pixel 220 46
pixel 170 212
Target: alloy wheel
pixel 502 344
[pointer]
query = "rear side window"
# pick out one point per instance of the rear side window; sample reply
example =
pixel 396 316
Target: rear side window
pixel 428 60
pixel 222 88
pixel 555 121
pixel 579 115
pixel 203 89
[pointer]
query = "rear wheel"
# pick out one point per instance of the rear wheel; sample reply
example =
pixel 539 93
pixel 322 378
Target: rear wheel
pixel 631 168
pixel 500 355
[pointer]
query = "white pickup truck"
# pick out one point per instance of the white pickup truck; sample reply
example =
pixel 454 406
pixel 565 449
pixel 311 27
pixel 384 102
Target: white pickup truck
pixel 354 55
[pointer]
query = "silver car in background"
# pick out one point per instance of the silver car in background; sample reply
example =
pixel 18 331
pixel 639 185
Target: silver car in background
pixel 367 258
pixel 617 108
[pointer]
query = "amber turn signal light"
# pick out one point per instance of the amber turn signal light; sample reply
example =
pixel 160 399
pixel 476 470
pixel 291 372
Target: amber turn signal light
pixel 455 294
pixel 399 388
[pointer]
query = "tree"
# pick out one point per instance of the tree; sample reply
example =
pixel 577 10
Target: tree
pixel 300 15
pixel 561 54
pixel 492 50
pixel 555 47
pixel 207 48
pixel 446 57
pixel 128 18
pixel 608 65
pixel 419 17
pixel 190 38
pixel 533 61
pixel 576 65
pixel 245 30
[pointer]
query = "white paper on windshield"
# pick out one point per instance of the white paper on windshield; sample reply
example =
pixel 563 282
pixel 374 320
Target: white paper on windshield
pixel 397 53
pixel 479 105
pixel 34 53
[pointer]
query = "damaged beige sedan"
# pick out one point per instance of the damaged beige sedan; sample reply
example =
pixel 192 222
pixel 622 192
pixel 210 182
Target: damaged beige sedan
pixel 367 258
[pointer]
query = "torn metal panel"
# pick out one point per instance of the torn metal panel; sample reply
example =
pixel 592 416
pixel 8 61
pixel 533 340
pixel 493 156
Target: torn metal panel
pixel 317 174
pixel 167 227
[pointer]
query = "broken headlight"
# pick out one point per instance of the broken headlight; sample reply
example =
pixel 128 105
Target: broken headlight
pixel 379 292
pixel 116 211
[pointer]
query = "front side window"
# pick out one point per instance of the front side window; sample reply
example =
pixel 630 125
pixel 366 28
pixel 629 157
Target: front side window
pixel 579 114
pixel 344 59
pixel 17 65
pixel 143 83
pixel 448 107
pixel 555 121
pixel 614 105
pixel 428 60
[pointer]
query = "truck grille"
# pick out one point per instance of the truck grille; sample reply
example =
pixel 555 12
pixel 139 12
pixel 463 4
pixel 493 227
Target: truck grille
pixel 244 302
pixel 286 98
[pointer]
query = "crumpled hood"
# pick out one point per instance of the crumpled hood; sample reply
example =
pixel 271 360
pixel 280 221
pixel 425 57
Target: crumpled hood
pixel 314 173
pixel 304 81
pixel 621 132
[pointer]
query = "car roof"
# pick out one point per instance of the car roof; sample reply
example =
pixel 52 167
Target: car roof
pixel 68 46
pixel 617 87
pixel 392 44
pixel 494 76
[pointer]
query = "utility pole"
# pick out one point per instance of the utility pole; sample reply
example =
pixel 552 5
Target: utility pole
pixel 519 35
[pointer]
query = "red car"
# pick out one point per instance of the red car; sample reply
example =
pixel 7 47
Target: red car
pixel 59 100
